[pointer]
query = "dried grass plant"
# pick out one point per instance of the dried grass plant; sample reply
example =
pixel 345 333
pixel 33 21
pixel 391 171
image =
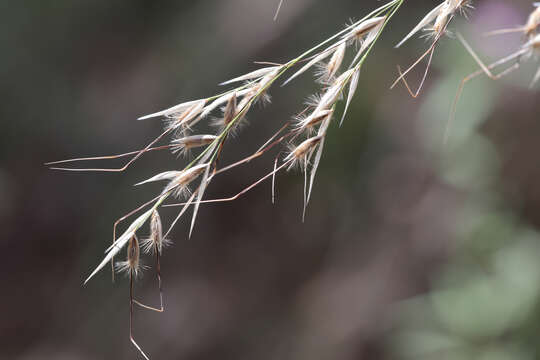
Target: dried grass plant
pixel 303 136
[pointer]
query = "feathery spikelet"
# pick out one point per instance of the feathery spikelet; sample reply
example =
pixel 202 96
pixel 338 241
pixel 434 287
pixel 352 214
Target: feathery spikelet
pixel 327 71
pixel 257 74
pixel 155 242
pixel 316 59
pixel 175 110
pixel 260 89
pixel 223 99
pixel 167 175
pixel 435 23
pixel 179 180
pixel 429 18
pixel 230 112
pixel 299 155
pixel 333 93
pixel 180 122
pixel 309 122
pixel 183 145
pixel 179 184
pixel 132 264
pixel 440 24
pixel 360 32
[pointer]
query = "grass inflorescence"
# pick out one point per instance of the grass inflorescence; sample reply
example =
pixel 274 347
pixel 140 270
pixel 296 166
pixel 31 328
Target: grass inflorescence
pixel 302 138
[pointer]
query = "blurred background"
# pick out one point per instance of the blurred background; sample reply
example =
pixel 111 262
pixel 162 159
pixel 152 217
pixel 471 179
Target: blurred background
pixel 411 249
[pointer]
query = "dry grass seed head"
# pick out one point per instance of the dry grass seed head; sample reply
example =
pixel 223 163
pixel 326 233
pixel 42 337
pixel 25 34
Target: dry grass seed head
pixel 183 145
pixel 446 13
pixel 315 60
pixel 299 155
pixel 223 100
pixel 231 111
pixel 333 93
pixel 326 72
pixel 435 23
pixel 179 184
pixel 260 88
pixel 360 32
pixel 441 21
pixel 181 121
pixel 155 242
pixel 132 264
pixel 308 123
pixel 175 110
pixel 257 74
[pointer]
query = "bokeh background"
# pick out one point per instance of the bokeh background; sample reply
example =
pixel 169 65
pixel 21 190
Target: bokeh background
pixel 411 249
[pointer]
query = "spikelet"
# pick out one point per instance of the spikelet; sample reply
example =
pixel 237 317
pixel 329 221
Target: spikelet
pixel 179 184
pixel 316 59
pixel 180 122
pixel 309 123
pixel 260 89
pixel 361 31
pixel 179 180
pixel 429 18
pixel 132 264
pixel 229 113
pixel 333 93
pixel 257 74
pixel 435 23
pixel 175 110
pixel 155 242
pixel 327 71
pixel 224 99
pixel 299 155
pixel 167 175
pixel 441 21
pixel 183 145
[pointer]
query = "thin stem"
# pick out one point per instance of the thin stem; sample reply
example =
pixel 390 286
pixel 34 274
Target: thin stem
pixel 131 301
pixel 234 197
pixel 158 274
pixel 139 154
pixel 110 157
